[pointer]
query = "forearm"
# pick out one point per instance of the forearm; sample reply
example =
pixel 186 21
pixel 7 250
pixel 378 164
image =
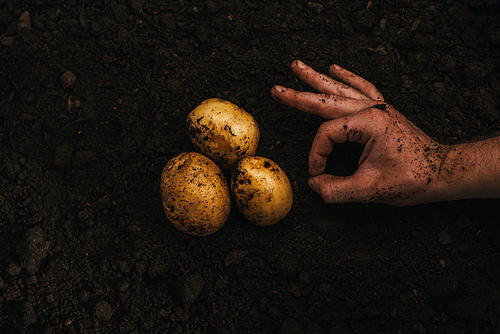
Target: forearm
pixel 470 170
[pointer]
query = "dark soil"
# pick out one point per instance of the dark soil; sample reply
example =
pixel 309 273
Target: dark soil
pixel 93 101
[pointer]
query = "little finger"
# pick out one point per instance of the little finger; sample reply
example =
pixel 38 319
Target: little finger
pixel 323 83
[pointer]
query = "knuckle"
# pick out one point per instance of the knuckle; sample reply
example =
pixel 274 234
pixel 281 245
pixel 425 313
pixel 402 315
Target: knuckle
pixel 367 191
pixel 374 112
pixel 323 129
pixel 326 193
pixel 377 115
pixel 363 195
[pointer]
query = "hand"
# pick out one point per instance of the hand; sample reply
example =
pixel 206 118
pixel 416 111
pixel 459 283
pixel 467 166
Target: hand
pixel 400 165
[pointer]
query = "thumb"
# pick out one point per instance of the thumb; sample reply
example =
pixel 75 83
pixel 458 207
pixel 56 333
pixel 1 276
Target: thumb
pixel 338 189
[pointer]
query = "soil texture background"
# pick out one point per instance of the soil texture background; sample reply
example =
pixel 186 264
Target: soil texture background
pixel 94 97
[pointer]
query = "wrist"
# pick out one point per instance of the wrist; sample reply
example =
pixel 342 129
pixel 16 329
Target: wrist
pixel 470 170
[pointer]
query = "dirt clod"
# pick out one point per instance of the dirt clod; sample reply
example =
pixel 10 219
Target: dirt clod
pixel 103 311
pixel 34 249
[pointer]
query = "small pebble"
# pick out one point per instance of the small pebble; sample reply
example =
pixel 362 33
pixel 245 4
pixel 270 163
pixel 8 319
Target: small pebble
pixel 68 79
pixel 24 22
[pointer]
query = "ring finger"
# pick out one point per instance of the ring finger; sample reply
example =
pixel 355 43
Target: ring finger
pixel 326 106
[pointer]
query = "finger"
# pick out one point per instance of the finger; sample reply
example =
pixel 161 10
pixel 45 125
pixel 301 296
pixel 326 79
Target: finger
pixel 339 189
pixel 323 83
pixel 346 129
pixel 326 106
pixel 355 81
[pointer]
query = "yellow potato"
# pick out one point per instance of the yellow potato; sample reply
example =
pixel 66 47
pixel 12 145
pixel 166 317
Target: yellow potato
pixel 195 194
pixel 261 190
pixel 223 131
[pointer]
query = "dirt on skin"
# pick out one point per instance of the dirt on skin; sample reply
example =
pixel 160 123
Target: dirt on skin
pixel 94 97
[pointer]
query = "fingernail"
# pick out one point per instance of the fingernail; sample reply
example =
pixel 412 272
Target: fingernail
pixel 337 67
pixel 280 88
pixel 301 65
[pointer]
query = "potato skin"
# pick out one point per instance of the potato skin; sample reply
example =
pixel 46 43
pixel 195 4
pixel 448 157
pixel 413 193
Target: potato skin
pixel 223 131
pixel 195 194
pixel 261 190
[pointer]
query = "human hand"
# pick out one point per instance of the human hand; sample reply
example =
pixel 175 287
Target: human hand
pixel 399 165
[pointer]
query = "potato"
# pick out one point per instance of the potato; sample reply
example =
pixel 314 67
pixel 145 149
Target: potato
pixel 195 194
pixel 261 190
pixel 223 131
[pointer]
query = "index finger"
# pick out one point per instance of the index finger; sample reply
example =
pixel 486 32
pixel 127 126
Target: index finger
pixel 346 129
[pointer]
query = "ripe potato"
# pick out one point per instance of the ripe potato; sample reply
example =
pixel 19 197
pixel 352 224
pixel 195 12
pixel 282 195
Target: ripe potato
pixel 195 194
pixel 261 190
pixel 223 131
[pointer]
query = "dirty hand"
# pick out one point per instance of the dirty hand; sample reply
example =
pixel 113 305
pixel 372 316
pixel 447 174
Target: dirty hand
pixel 400 165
